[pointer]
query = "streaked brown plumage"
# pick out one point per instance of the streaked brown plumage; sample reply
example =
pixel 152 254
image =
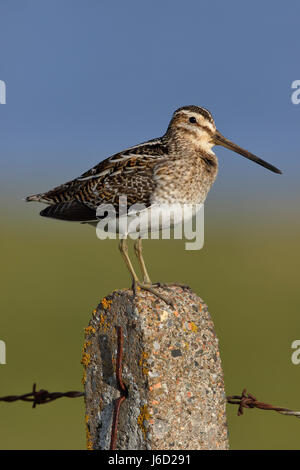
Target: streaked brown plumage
pixel 129 173
pixel 178 167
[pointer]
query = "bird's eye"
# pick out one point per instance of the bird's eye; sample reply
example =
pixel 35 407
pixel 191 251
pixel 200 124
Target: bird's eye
pixel 193 120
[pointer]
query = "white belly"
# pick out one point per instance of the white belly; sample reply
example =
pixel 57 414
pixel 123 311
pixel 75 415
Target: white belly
pixel 149 222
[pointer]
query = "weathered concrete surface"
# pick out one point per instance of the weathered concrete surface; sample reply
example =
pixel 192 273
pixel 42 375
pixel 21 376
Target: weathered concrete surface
pixel 171 366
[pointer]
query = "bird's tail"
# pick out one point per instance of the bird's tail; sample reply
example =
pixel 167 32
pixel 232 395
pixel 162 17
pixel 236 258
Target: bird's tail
pixel 36 198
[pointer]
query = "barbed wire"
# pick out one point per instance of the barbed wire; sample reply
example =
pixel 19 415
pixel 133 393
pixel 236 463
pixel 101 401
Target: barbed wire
pixel 40 397
pixel 247 400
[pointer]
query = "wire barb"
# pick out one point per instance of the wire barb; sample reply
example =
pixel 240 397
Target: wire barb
pixel 247 400
pixel 40 397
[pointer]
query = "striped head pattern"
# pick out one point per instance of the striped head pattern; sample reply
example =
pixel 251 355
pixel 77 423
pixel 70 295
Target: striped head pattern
pixel 194 124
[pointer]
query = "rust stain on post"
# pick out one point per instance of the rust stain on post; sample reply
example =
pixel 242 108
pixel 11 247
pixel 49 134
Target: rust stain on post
pixel 171 369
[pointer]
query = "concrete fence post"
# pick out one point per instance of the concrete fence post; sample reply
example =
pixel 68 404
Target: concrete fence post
pixel 171 368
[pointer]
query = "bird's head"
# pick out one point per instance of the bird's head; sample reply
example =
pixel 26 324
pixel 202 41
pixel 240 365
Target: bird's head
pixel 194 125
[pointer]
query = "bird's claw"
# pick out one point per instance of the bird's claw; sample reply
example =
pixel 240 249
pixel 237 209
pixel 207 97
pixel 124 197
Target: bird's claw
pixel 170 284
pixel 150 288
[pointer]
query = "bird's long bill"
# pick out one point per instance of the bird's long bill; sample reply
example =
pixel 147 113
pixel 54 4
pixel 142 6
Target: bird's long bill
pixel 219 139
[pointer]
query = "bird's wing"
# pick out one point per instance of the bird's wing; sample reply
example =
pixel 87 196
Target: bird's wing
pixel 128 173
pixel 73 211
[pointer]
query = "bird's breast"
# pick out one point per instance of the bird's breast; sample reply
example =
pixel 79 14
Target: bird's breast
pixel 185 180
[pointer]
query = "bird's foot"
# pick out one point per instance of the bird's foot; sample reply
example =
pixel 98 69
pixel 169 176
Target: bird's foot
pixel 151 288
pixel 170 284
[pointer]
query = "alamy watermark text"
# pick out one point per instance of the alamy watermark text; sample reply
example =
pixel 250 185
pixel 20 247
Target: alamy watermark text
pixel 2 92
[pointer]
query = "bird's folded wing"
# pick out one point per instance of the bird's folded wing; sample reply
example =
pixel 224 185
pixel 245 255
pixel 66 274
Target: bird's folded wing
pixel 73 211
pixel 128 173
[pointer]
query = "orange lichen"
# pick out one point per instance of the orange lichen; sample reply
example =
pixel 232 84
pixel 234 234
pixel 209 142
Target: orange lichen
pixel 103 323
pixel 106 303
pixel 143 362
pixel 86 345
pixel 89 444
pixel 142 419
pixel 83 380
pixel 86 358
pixel 193 327
pixel 89 330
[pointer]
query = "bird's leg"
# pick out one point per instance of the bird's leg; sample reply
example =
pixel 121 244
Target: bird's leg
pixel 135 280
pixel 124 252
pixel 147 284
pixel 138 252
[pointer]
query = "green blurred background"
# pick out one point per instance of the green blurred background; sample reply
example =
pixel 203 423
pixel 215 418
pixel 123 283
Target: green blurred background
pixel 55 273
pixel 86 79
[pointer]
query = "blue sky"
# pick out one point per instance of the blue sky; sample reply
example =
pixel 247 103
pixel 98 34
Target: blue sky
pixel 87 78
